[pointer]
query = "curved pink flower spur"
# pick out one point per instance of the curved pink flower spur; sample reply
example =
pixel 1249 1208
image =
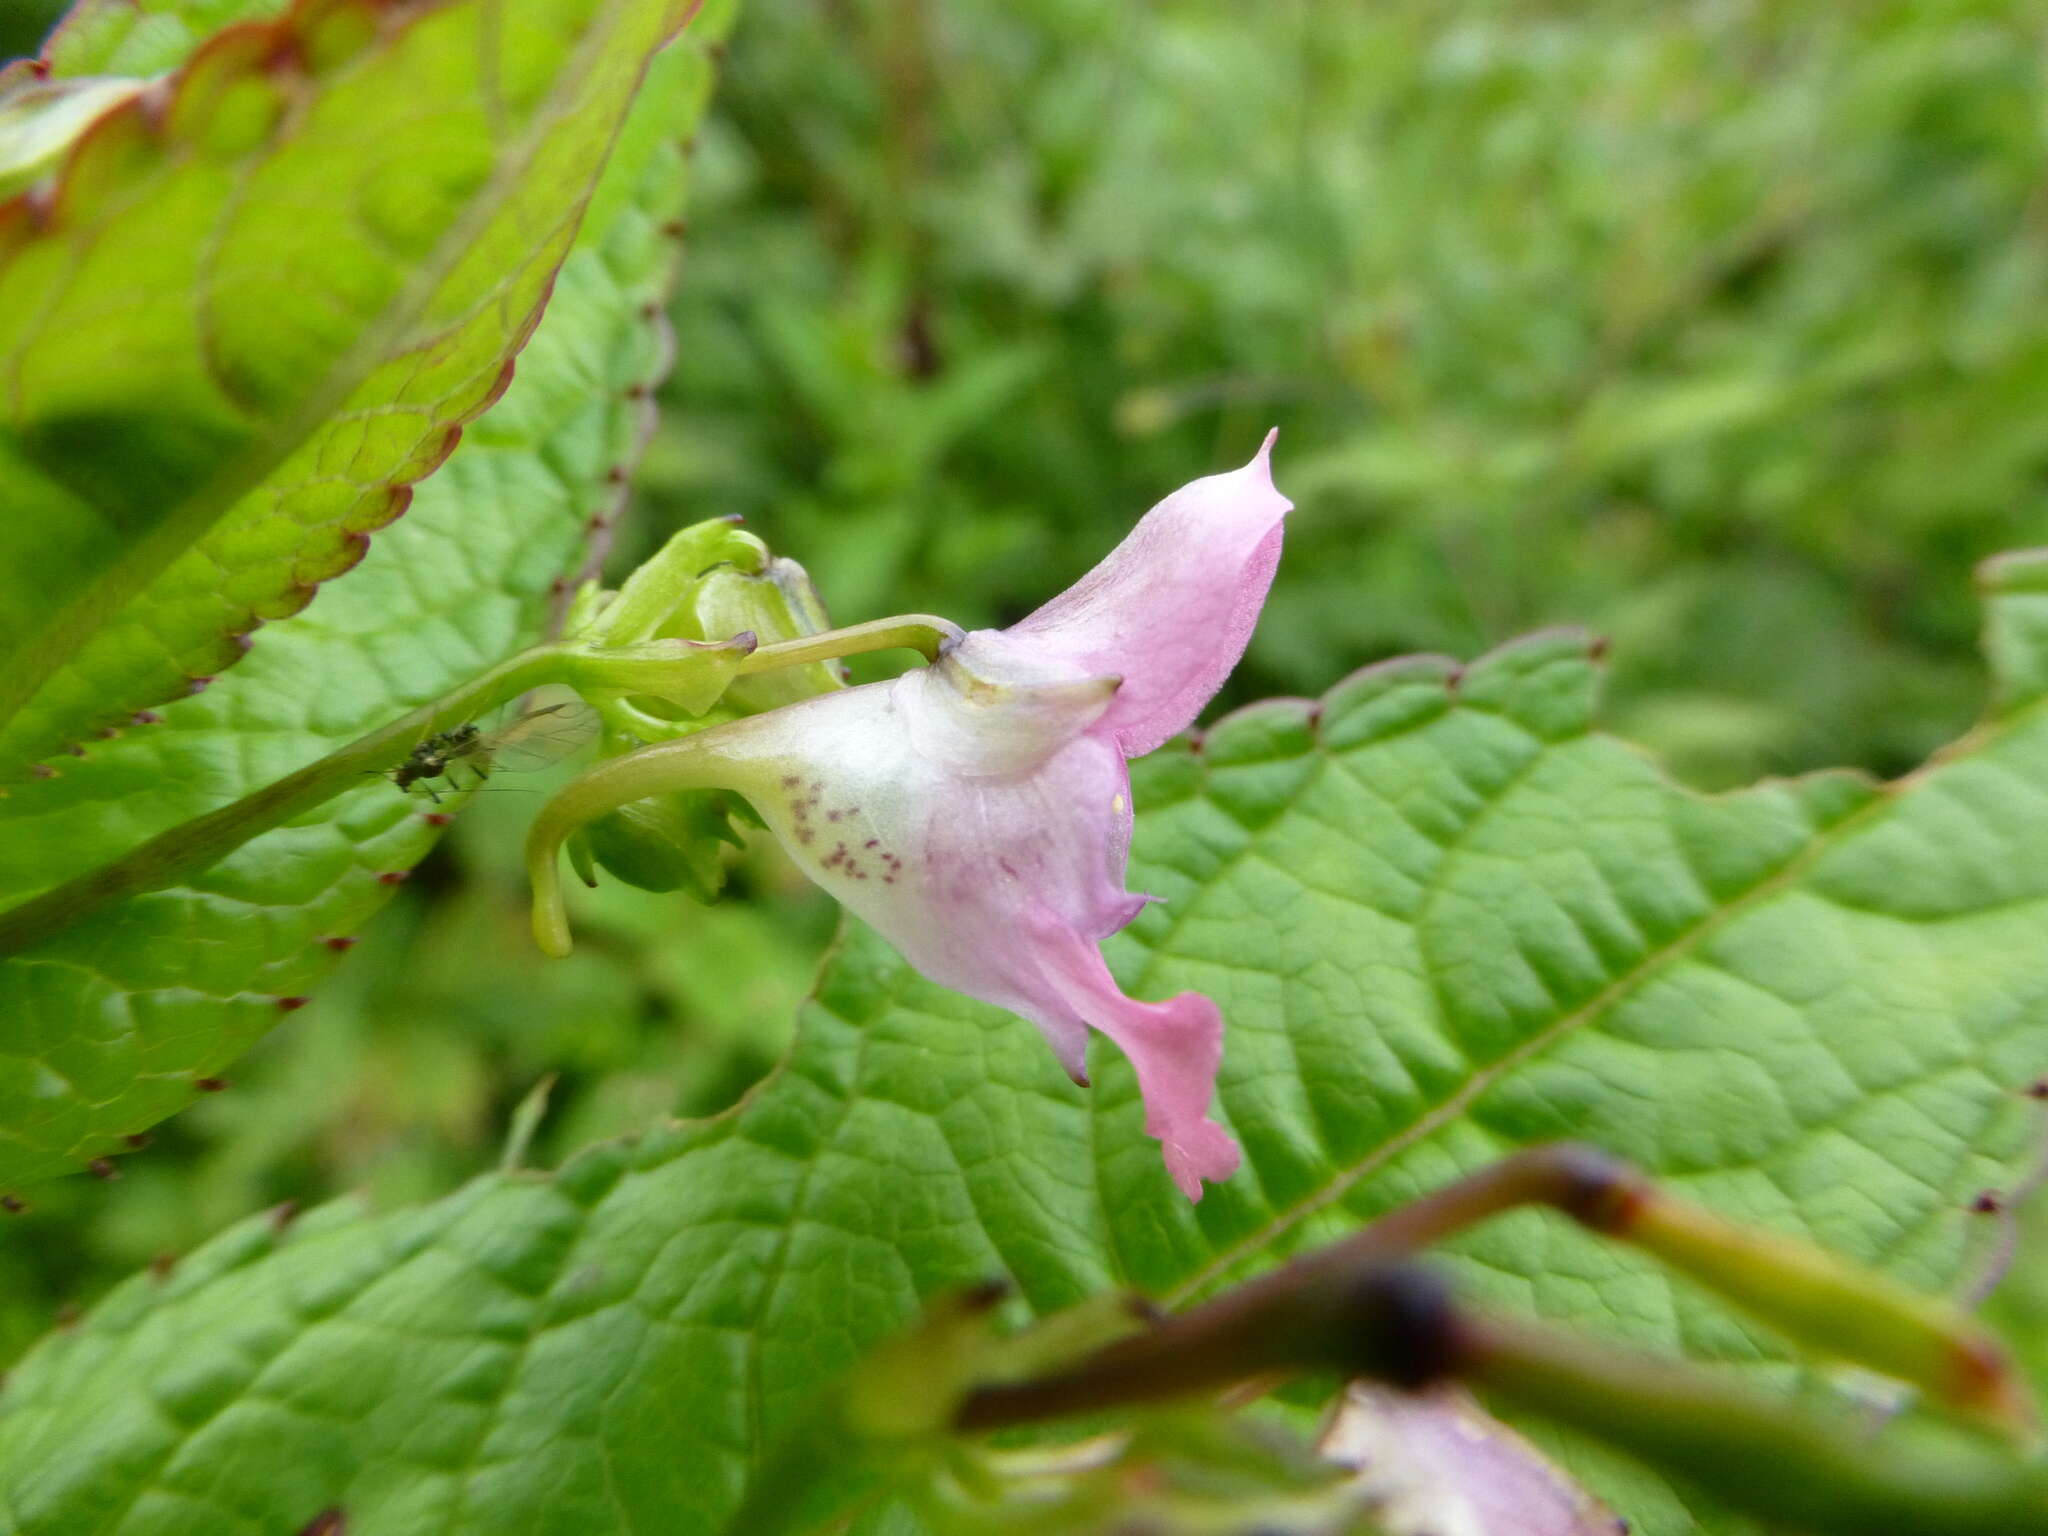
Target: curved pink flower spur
pixel 978 812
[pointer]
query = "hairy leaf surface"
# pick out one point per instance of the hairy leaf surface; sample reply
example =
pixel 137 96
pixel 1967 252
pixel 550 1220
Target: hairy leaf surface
pixel 107 1029
pixel 257 303
pixel 1445 918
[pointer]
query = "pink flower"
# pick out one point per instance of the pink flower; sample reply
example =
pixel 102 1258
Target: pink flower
pixel 978 813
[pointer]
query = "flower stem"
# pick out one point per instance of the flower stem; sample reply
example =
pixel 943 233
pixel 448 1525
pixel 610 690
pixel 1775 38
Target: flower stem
pixel 684 763
pixel 921 632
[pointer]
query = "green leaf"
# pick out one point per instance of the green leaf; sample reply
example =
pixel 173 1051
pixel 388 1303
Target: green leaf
pixel 1445 918
pixel 142 37
pixel 40 120
pixel 314 249
pixel 107 1029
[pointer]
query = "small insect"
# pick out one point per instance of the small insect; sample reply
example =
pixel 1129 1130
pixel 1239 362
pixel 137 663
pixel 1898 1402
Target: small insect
pixel 537 739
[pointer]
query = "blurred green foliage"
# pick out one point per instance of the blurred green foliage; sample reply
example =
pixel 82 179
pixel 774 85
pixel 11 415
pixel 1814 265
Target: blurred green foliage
pixel 23 23
pixel 1720 327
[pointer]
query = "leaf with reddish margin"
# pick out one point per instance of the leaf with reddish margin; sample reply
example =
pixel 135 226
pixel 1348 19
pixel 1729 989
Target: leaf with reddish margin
pixel 117 1023
pixel 257 303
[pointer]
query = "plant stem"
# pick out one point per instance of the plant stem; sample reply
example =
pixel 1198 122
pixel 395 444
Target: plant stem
pixel 1350 1311
pixel 1760 1456
pixel 688 762
pixel 195 845
pixel 1803 1291
pixel 1339 1315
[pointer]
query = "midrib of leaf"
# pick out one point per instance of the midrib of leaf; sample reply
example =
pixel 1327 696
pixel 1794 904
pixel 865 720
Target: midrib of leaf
pixel 1254 1244
pixel 149 557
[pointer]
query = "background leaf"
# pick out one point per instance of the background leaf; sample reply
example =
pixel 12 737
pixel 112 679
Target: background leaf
pixel 143 37
pixel 107 1029
pixel 40 119
pixel 314 250
pixel 1445 919
pixel 1730 345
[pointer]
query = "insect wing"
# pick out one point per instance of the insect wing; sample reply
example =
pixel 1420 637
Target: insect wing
pixel 540 738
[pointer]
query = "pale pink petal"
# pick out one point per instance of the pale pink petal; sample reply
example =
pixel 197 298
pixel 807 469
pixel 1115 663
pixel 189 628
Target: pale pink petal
pixel 1435 1461
pixel 1171 608
pixel 982 829
pixel 1175 1047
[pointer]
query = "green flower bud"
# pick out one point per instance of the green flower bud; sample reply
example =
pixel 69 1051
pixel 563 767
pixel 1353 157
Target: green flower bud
pixel 775 603
pixel 666 843
pixel 647 605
